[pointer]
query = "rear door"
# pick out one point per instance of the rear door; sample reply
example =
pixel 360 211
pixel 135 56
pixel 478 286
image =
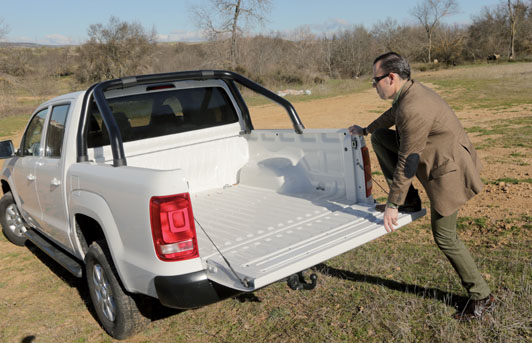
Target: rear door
pixel 49 175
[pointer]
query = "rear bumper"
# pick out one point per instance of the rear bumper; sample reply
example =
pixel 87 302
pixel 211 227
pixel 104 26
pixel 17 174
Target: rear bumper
pixel 190 290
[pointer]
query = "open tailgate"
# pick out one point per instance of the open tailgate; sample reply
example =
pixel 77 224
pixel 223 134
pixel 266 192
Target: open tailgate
pixel 267 236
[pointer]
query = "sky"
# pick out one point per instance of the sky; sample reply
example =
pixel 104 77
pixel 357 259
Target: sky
pixel 59 22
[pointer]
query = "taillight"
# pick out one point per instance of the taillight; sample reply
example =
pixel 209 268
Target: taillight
pixel 172 227
pixel 367 170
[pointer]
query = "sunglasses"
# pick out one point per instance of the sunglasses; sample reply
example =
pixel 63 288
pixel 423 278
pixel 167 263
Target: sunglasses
pixel 376 79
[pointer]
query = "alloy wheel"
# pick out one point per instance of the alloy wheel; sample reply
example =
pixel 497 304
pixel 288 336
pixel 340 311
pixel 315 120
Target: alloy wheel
pixel 104 293
pixel 14 220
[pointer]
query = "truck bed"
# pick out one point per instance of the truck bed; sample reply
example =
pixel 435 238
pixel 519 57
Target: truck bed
pixel 266 235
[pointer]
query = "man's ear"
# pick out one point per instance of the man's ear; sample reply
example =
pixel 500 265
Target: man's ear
pixel 393 77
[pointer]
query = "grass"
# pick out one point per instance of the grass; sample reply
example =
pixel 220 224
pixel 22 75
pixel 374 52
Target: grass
pixel 510 180
pixel 507 133
pixel 465 222
pixel 381 200
pixel 481 87
pixel 12 125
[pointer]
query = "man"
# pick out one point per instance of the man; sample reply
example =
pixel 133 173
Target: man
pixel 430 143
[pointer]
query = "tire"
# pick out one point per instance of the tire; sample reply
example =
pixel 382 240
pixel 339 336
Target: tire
pixel 12 223
pixel 117 311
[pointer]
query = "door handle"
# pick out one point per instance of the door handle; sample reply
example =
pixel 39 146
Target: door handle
pixel 55 182
pixel 30 177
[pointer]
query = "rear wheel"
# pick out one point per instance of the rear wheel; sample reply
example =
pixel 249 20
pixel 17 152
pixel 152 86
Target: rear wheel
pixel 117 310
pixel 12 223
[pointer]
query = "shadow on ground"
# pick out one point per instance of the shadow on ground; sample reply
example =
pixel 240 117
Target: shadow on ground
pixel 149 307
pixel 447 298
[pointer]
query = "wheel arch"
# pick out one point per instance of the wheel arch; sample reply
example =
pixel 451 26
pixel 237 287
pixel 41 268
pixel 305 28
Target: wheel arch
pixel 88 230
pixel 93 220
pixel 5 186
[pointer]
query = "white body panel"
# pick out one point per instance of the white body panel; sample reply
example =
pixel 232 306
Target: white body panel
pixel 209 158
pixel 24 176
pixel 98 191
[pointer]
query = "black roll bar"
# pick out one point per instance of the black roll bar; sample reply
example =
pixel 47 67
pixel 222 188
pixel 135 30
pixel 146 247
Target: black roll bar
pixel 97 91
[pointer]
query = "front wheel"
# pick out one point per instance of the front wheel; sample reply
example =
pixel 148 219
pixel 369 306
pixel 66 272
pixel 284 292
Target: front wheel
pixel 12 223
pixel 117 311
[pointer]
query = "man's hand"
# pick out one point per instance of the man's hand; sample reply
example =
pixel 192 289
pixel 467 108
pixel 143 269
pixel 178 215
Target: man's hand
pixel 356 130
pixel 390 218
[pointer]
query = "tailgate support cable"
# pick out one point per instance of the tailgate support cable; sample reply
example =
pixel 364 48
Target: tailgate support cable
pixel 371 176
pixel 245 282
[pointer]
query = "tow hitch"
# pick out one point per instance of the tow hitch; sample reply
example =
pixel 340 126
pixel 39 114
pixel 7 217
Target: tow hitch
pixel 298 282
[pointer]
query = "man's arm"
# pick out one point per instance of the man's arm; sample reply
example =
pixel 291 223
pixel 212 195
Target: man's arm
pixel 413 128
pixel 385 120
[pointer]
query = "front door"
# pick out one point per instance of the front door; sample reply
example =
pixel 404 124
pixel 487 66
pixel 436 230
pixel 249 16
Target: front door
pixel 24 169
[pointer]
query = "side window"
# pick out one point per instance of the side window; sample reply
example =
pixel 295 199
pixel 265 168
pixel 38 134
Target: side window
pixel 32 137
pixel 56 131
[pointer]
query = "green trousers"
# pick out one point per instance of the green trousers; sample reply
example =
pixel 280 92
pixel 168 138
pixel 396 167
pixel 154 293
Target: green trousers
pixel 386 146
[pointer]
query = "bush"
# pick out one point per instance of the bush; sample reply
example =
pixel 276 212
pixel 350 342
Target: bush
pixel 114 51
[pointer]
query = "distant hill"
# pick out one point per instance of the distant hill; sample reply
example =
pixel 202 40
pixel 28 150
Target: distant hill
pixel 29 45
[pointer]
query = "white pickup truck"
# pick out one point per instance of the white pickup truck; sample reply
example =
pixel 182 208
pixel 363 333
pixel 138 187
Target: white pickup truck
pixel 159 186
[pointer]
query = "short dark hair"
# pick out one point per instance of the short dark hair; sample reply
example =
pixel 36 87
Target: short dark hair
pixel 392 62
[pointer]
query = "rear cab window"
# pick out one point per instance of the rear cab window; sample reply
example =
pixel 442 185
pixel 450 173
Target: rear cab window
pixel 163 112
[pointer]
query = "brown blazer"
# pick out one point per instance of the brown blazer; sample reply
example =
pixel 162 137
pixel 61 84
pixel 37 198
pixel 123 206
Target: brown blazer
pixel 432 145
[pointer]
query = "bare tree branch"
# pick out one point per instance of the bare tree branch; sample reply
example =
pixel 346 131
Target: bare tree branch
pixel 515 11
pixel 222 18
pixel 4 29
pixel 430 12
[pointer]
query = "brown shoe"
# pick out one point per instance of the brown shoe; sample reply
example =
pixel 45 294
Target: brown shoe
pixel 406 208
pixel 412 202
pixel 475 309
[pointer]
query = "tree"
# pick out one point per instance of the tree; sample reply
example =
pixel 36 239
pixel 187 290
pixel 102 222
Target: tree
pixel 525 31
pixel 516 12
pixel 512 18
pixel 219 18
pixel 487 33
pixel 327 55
pixel 4 29
pixel 505 27
pixel 429 13
pixel 403 39
pixel 449 44
pixel 353 52
pixel 304 42
pixel 114 50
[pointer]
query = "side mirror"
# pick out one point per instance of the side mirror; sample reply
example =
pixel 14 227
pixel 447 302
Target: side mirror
pixel 7 149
